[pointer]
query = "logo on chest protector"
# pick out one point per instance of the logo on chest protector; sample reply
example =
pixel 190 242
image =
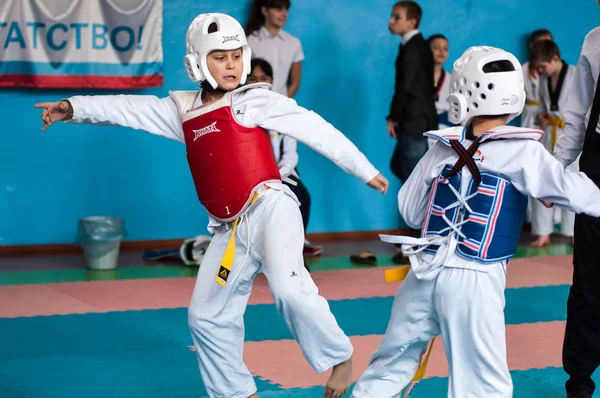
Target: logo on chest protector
pixel 230 38
pixel 212 128
pixel 478 157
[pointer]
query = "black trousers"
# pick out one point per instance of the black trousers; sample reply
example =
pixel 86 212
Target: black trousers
pixel 581 347
pixel 304 197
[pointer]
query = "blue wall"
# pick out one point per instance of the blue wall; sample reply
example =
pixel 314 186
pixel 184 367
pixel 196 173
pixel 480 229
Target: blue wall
pixel 49 180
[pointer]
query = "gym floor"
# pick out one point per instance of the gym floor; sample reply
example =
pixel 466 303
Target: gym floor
pixel 71 332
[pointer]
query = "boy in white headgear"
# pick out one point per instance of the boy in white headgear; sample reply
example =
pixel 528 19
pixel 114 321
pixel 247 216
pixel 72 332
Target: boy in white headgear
pixel 254 217
pixel 469 195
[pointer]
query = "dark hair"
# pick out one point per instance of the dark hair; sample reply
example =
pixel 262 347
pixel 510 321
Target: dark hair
pixel 435 37
pixel 413 10
pixel 543 51
pixel 537 34
pixel 263 64
pixel 533 37
pixel 491 117
pixel 257 19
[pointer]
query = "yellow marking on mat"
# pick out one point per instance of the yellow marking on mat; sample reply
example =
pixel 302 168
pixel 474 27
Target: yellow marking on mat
pixel 396 274
pixel 420 372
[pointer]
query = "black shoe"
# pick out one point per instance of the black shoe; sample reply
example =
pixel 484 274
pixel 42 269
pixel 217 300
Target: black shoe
pixel 401 258
pixel 579 394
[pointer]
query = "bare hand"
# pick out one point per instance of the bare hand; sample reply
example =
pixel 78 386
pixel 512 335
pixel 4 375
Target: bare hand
pixel 391 128
pixel 547 204
pixel 54 112
pixel 380 183
pixel 542 119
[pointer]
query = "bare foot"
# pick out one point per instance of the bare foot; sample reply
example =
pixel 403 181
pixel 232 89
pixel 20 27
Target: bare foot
pixel 542 240
pixel 340 380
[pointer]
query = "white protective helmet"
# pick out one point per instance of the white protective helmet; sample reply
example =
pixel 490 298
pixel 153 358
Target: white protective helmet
pixel 199 43
pixel 477 90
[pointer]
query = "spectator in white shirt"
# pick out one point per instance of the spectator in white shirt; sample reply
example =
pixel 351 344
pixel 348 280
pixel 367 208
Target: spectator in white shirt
pixel 269 41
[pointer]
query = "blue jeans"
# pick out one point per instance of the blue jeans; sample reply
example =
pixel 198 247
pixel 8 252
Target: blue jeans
pixel 409 150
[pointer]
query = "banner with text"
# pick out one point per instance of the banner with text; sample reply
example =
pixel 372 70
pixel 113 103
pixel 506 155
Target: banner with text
pixel 104 44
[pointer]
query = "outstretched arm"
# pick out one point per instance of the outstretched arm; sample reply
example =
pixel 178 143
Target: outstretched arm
pixel 273 111
pixel 545 178
pixel 140 112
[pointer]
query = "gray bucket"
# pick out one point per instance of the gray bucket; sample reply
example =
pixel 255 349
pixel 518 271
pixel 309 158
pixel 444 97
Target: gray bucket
pixel 101 240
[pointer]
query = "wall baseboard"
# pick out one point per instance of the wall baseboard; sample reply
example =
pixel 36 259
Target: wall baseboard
pixel 354 235
pixel 139 245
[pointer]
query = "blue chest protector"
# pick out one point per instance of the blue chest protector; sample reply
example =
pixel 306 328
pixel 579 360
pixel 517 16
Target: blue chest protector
pixel 487 223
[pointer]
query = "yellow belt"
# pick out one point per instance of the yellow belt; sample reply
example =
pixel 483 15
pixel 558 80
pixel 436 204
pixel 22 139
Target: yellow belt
pixel 556 123
pixel 396 275
pixel 229 255
pixel 531 102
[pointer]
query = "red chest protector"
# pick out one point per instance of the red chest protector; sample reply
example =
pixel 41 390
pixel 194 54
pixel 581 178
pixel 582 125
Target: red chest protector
pixel 228 161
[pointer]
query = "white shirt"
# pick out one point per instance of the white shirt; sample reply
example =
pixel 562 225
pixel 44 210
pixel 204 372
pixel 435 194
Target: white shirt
pixel 544 95
pixel 579 102
pixel 255 107
pixel 526 163
pixel 281 51
pixel 409 36
pixel 285 149
pixel 442 105
pixel 532 93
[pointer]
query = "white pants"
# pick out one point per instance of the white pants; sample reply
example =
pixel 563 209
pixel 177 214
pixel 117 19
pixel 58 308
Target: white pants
pixel 529 213
pixel 269 239
pixel 542 219
pixel 467 308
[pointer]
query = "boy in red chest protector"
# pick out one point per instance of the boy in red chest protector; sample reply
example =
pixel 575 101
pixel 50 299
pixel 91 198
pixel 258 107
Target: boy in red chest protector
pixel 255 218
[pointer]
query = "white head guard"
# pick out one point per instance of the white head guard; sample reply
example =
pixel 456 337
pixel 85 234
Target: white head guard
pixel 192 250
pixel 477 89
pixel 199 43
